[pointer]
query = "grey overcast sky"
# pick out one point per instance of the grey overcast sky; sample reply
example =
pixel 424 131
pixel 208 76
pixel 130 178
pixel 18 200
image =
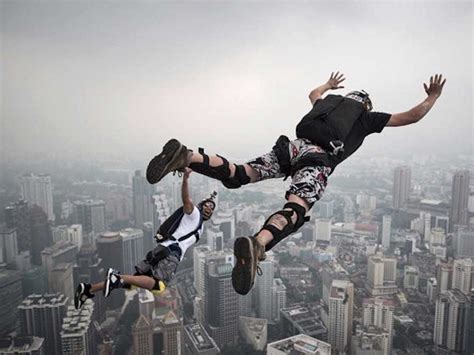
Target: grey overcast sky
pixel 88 78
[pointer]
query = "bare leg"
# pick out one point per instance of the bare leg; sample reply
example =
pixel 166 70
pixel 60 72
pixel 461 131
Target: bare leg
pixel 138 281
pixel 264 237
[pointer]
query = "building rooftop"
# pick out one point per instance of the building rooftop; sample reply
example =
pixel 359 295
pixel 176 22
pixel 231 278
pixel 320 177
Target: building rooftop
pixel 46 300
pixel 58 248
pixel 77 322
pixel 20 345
pixel 304 319
pixel 256 326
pixel 301 344
pixel 200 338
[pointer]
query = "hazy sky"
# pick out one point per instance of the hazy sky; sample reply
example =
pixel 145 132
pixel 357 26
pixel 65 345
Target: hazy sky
pixel 88 78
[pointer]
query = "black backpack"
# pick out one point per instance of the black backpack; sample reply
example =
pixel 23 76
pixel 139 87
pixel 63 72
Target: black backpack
pixel 329 122
pixel 166 230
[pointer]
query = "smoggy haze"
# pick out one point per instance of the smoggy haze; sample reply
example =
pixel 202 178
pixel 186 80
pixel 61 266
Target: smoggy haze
pixel 87 78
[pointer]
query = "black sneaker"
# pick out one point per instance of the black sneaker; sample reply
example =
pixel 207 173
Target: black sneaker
pixel 174 157
pixel 82 294
pixel 248 252
pixel 112 281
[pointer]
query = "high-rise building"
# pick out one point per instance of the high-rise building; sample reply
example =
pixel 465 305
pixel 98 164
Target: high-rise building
pixel 42 316
pixel 226 224
pixel 378 313
pixel 326 209
pixel 110 250
pixel 341 304
pixel 142 332
pixel 371 340
pixel 411 277
pixel 172 334
pixel 263 285
pixel 470 330
pixel 386 231
pixel 132 249
pixel 464 243
pixel 462 269
pixel 442 222
pixel 91 215
pixel 17 215
pixel 451 321
pixel 278 298
pixel 10 296
pixel 254 332
pixel 432 289
pixel 58 261
pixel 322 230
pixel 36 190
pixel 221 303
pixel 8 245
pixel 381 275
pixel 459 199
pixel 444 277
pixel 299 344
pixel 78 332
pixel 401 186
pixel 89 268
pixel 199 260
pixel 24 345
pixel 74 235
pixel 198 342
pixel 41 235
pixel 146 303
pixel 215 238
pixel 142 200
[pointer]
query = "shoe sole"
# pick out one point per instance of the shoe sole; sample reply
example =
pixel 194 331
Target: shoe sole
pixel 107 283
pixel 77 295
pixel 159 165
pixel 242 271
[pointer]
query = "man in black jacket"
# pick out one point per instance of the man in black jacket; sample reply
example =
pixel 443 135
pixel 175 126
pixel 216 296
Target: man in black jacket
pixel 181 230
pixel 304 159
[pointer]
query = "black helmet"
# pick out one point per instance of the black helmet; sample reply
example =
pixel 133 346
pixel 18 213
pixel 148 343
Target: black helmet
pixel 362 97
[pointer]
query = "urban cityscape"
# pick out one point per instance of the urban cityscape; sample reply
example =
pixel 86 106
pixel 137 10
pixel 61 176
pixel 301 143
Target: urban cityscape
pixel 384 266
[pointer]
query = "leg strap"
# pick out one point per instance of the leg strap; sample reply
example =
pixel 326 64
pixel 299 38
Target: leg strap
pixel 221 172
pixel 289 227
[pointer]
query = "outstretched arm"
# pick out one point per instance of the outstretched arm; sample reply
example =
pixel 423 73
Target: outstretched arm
pixel 420 110
pixel 188 205
pixel 331 84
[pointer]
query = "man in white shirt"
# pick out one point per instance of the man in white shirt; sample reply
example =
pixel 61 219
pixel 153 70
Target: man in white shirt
pixel 181 230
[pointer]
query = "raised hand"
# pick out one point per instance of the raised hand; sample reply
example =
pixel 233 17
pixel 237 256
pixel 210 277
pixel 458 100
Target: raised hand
pixel 186 173
pixel 436 86
pixel 335 80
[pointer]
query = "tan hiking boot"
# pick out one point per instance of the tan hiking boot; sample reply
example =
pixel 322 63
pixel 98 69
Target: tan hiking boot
pixel 174 157
pixel 248 253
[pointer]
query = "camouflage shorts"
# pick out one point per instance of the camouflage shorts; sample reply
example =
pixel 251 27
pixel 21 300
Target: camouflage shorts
pixel 159 264
pixel 308 183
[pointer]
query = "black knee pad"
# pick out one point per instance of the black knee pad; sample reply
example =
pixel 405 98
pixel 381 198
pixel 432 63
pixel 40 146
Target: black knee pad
pixel 290 227
pixel 220 172
pixel 240 178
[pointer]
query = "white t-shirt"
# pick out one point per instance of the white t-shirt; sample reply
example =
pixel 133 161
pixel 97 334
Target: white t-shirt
pixel 188 223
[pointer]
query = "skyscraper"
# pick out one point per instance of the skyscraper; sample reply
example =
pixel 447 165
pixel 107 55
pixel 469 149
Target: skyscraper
pixel 132 249
pixel 41 235
pixel 215 238
pixel 378 313
pixel 459 198
pixel 278 298
pixel 341 303
pixel 462 275
pixel 36 190
pixel 10 296
pixel 411 277
pixel 42 315
pixel 172 333
pixel 401 186
pixel 444 277
pixel 263 284
pixel 142 332
pixel 199 260
pixel 78 332
pixel 386 231
pixel 91 215
pixel 17 215
pixel 74 234
pixel 221 303
pixel 8 245
pixel 322 230
pixel 326 208
pixel 464 243
pixel 198 342
pixel 451 321
pixel 381 275
pixel 142 200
